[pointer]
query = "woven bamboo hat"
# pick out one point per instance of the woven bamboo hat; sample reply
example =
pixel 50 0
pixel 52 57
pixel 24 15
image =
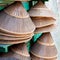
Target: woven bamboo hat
pixel 37 58
pixel 42 22
pixel 45 48
pixel 12 55
pixel 12 20
pixel 10 41
pixel 45 29
pixel 21 49
pixel 40 10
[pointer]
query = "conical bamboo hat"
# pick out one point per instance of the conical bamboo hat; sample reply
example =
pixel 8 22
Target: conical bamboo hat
pixel 14 56
pixel 37 58
pixel 41 22
pixel 21 49
pixel 40 10
pixel 46 39
pixel 45 29
pixel 43 51
pixel 14 41
pixel 15 35
pixel 45 47
pixel 16 20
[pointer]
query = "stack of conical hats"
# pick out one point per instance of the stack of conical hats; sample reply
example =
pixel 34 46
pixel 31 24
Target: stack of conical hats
pixel 15 25
pixel 43 18
pixel 17 52
pixel 44 49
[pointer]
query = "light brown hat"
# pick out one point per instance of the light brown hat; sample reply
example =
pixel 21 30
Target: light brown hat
pixel 13 55
pixel 16 20
pixel 40 10
pixel 45 50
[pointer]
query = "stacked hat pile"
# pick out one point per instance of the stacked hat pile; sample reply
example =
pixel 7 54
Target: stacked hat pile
pixel 44 20
pixel 44 48
pixel 15 28
pixel 17 52
pixel 42 17
pixel 15 25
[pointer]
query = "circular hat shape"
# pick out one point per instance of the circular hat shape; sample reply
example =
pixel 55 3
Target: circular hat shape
pixel 42 22
pixel 37 58
pixel 43 51
pixel 40 10
pixel 45 29
pixel 14 41
pixel 12 20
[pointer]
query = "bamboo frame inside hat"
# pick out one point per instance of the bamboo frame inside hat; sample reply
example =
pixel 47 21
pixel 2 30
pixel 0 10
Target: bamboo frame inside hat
pixel 45 29
pixel 42 22
pixel 12 20
pixel 40 10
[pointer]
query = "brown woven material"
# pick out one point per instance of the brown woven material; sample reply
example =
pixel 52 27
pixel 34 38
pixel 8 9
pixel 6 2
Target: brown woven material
pixel 11 55
pixel 15 35
pixel 20 49
pixel 40 10
pixel 41 22
pixel 46 39
pixel 12 38
pixel 13 20
pixel 44 48
pixel 37 58
pixel 14 41
pixel 45 29
pixel 43 51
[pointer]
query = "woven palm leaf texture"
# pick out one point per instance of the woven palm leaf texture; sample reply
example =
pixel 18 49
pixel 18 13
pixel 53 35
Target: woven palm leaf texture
pixel 44 48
